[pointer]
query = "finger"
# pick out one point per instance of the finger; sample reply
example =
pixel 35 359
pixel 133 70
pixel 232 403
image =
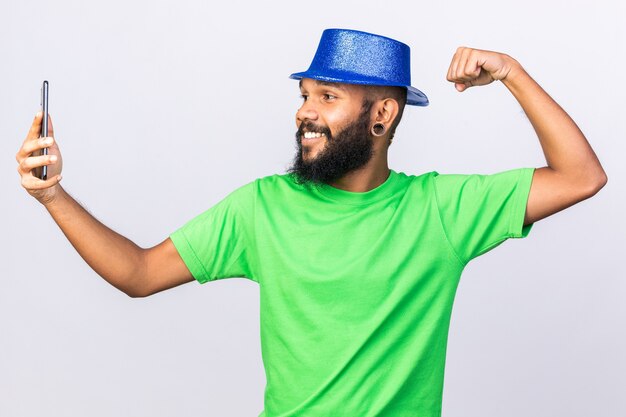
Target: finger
pixel 460 70
pixel 33 183
pixel 30 163
pixel 472 67
pixel 454 64
pixel 460 86
pixel 35 129
pixel 31 146
pixel 479 75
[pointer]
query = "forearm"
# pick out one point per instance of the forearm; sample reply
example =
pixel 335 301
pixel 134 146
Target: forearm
pixel 111 255
pixel 565 147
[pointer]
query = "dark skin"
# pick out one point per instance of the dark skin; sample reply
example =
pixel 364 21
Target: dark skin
pixel 573 173
pixel 336 105
pixel 140 272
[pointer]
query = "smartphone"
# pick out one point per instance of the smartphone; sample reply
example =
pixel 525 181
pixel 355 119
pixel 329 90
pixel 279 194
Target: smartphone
pixel 42 172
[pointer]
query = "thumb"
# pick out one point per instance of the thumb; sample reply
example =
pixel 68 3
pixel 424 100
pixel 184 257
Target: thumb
pixel 460 87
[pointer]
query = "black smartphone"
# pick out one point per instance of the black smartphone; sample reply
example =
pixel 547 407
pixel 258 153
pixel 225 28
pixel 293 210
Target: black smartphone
pixel 42 172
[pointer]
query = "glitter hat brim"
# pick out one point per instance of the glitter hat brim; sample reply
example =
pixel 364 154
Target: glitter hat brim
pixel 414 97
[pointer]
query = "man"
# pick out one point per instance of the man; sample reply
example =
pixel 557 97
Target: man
pixel 357 264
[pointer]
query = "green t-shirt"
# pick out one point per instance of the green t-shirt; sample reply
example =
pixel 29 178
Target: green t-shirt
pixel 356 288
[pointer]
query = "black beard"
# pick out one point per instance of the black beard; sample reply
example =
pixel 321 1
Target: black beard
pixel 350 149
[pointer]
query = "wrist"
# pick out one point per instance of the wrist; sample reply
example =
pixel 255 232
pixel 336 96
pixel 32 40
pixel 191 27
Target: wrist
pixel 515 73
pixel 53 197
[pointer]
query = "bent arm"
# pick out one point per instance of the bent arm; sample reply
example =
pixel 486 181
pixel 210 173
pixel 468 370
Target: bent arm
pixel 136 271
pixel 574 172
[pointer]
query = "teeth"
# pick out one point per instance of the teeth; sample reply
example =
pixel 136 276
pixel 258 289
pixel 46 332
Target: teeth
pixel 311 135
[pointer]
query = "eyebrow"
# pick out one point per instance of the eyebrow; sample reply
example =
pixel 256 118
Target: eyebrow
pixel 326 83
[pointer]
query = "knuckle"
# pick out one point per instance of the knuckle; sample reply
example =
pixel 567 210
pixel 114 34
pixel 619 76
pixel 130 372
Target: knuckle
pixel 27 165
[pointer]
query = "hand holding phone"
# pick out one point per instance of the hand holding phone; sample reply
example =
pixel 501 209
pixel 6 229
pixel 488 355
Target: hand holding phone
pixel 39 158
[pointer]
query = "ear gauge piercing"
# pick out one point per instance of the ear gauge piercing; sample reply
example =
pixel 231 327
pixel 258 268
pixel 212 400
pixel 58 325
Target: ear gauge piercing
pixel 378 129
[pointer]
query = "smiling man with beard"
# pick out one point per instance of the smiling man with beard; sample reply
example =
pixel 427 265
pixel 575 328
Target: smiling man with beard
pixel 327 158
pixel 357 264
pixel 351 148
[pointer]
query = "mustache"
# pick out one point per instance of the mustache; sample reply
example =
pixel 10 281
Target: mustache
pixel 312 127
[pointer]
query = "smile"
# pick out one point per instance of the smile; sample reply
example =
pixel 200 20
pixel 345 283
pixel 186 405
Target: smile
pixel 311 135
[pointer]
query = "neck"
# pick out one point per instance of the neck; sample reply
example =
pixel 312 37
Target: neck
pixel 364 179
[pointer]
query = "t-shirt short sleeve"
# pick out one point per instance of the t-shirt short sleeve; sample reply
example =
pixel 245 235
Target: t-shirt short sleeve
pixel 479 212
pixel 216 244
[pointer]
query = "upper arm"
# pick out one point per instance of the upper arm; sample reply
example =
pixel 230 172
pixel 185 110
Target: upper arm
pixel 478 212
pixel 163 268
pixel 551 192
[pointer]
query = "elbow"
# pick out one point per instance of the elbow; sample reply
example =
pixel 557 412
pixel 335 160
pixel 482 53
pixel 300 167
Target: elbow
pixel 135 289
pixel 603 180
pixel 133 294
pixel 598 184
pixel 131 287
pixel 137 282
pixel 591 188
pixel 137 292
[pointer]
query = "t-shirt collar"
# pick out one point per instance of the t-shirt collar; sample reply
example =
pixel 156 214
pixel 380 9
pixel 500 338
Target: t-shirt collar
pixel 360 198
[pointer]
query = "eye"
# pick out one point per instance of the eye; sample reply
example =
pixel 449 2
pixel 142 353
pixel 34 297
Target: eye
pixel 303 97
pixel 328 97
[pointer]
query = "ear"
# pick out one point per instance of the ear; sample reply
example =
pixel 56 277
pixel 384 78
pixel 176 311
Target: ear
pixel 386 111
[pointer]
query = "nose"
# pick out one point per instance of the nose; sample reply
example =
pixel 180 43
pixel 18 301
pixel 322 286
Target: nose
pixel 306 112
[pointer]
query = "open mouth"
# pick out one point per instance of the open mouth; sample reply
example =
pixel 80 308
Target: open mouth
pixel 312 135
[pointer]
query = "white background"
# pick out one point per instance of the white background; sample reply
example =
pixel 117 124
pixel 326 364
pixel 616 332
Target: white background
pixel 162 108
